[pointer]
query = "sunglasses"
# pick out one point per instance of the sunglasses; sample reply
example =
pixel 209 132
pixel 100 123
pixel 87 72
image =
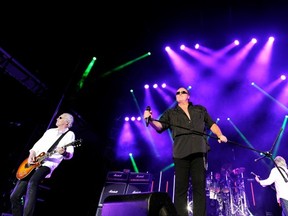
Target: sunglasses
pixel 181 92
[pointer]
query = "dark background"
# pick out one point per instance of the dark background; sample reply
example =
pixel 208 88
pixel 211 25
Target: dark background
pixel 56 42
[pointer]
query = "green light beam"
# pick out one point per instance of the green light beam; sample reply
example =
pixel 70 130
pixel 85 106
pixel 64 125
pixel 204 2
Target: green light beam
pixel 275 150
pixel 133 163
pixel 126 64
pixel 86 73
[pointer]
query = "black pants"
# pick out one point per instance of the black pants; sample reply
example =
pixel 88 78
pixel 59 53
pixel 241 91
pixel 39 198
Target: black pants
pixel 28 187
pixel 192 167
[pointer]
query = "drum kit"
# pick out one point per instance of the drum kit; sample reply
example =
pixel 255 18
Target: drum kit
pixel 226 193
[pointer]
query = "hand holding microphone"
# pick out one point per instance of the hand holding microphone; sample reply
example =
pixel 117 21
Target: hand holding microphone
pixel 257 177
pixel 147 115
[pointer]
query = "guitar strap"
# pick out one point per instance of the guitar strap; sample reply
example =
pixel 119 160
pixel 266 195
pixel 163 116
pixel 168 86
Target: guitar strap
pixel 56 142
pixel 284 171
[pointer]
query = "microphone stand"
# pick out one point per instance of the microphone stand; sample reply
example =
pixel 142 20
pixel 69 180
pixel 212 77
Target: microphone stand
pixel 266 154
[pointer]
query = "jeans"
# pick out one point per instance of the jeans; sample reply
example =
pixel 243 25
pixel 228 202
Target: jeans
pixel 284 205
pixel 191 167
pixel 28 187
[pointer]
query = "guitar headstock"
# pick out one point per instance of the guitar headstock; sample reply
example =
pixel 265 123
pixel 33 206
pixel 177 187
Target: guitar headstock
pixel 75 143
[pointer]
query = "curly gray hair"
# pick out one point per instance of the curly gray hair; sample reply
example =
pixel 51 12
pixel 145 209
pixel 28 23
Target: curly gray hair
pixel 280 161
pixel 69 118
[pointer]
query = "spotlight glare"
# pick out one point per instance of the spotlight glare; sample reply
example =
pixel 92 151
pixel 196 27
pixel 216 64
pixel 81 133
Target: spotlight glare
pixel 167 48
pixel 236 42
pixel 271 39
pixel 146 86
pixel 126 118
pixel 228 119
pixel 182 47
pixel 155 85
pixel 197 46
pixel 164 85
pixel 133 118
pixel 283 77
pixel 254 40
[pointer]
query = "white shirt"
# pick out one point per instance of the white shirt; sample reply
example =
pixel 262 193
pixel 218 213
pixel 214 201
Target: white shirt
pixel 47 140
pixel 280 185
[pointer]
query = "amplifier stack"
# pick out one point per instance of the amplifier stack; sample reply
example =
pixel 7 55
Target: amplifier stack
pixel 121 183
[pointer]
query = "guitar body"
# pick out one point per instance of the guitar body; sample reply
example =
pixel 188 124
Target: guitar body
pixel 25 168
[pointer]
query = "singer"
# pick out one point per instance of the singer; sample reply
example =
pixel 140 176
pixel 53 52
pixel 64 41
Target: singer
pixel 188 122
pixel 281 185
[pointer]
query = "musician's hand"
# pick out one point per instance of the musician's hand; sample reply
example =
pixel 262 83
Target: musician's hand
pixel 257 178
pixel 222 138
pixel 31 160
pixel 147 114
pixel 60 150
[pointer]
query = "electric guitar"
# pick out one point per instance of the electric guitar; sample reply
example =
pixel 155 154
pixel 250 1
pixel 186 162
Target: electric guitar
pixel 25 168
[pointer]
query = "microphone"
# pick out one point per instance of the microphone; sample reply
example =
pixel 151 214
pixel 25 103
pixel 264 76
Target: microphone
pixel 252 173
pixel 148 108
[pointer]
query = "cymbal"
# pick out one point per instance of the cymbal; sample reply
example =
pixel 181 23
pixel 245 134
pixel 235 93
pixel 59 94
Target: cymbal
pixel 239 170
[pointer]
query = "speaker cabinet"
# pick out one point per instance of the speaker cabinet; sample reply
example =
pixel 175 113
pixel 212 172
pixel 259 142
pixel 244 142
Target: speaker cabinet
pixel 144 204
pixel 112 188
pixel 136 188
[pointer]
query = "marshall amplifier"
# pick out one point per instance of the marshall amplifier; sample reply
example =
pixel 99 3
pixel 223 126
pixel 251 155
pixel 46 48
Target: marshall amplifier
pixel 140 177
pixel 117 176
pixel 110 189
pixel 137 188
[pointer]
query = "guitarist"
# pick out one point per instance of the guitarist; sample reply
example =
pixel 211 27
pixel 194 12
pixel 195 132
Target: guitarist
pixel 281 184
pixel 28 186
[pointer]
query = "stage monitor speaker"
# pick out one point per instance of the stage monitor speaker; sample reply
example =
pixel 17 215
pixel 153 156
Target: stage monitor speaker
pixel 112 188
pixel 144 204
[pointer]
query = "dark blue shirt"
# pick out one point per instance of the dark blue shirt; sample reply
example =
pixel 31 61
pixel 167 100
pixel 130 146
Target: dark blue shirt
pixel 187 134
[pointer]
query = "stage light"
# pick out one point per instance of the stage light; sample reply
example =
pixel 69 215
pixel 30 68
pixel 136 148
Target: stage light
pixel 271 39
pixel 146 86
pixel 163 85
pixel 283 77
pixel 155 85
pixel 197 46
pixel 182 47
pixel 236 42
pixel 167 48
pixel 126 118
pixel 254 40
